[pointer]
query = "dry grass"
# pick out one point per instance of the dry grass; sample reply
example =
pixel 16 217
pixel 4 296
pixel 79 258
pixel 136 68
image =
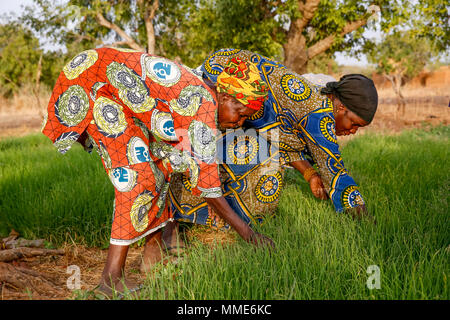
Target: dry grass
pixel 415 92
pixel 26 102
pixel 423 106
pixel 210 237
pixel 23 113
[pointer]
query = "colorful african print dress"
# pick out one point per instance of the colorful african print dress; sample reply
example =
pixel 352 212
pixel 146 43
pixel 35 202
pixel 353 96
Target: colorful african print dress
pixel 296 123
pixel 148 117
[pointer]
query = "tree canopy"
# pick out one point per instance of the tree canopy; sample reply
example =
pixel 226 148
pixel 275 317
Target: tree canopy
pixel 294 32
pixel 400 56
pixel 19 56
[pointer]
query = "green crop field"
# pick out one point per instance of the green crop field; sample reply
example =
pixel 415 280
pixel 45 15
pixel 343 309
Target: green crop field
pixel 320 254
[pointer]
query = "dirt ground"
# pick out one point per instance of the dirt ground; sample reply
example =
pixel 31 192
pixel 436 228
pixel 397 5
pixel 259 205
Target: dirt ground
pixel 91 260
pixel 56 269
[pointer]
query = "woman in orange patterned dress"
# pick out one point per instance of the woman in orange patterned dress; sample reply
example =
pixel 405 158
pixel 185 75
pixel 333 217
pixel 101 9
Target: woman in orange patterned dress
pixel 149 117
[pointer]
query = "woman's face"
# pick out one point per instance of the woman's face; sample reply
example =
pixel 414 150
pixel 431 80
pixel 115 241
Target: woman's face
pixel 347 122
pixel 232 113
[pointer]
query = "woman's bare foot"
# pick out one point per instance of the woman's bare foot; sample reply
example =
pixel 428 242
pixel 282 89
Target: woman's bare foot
pixel 118 287
pixel 113 279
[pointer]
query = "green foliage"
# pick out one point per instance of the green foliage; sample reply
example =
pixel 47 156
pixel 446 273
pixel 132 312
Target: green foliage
pixel 20 52
pixel 331 18
pixel 190 30
pixel 416 33
pixel 232 24
pixel 262 25
pixel 172 32
pixel 19 56
pixel 52 64
pixel 323 63
pixel 402 53
pixel 429 20
pixel 74 24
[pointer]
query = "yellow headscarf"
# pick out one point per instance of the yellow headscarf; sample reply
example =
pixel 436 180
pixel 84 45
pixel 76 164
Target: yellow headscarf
pixel 242 80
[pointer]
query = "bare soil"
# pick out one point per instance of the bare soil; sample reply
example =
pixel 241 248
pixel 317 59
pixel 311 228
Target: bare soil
pixel 55 268
pixel 56 272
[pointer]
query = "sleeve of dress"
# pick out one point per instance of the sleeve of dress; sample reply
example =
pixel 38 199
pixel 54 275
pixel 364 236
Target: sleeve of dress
pixel 202 139
pixel 318 128
pixel 192 109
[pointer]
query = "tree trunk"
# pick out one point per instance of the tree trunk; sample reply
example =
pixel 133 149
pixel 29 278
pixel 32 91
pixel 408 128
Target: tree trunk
pixel 148 17
pixel 296 54
pixel 150 37
pixel 401 104
pixel 37 86
pixel 295 50
pixel 396 81
pixel 148 13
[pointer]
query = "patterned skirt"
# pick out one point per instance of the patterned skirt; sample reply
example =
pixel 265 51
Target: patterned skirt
pixel 252 179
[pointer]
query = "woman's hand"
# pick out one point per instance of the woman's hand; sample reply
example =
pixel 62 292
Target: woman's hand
pixel 317 187
pixel 223 210
pixel 312 177
pixel 260 240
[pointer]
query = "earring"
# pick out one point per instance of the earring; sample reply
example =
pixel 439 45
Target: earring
pixel 334 104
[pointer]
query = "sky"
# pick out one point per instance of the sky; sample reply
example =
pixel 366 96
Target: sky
pixel 14 6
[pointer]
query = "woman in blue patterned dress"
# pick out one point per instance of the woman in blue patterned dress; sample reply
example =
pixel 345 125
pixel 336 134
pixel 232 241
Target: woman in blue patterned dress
pixel 297 127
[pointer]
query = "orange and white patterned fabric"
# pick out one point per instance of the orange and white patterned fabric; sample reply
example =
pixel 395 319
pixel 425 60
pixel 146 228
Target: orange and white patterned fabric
pixel 148 117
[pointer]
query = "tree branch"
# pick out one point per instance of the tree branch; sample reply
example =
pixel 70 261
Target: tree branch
pixel 148 19
pixel 129 41
pixel 324 44
pixel 10 81
pixel 268 6
pixel 308 9
pixel 117 43
pixel 36 89
pixel 295 39
pixel 80 37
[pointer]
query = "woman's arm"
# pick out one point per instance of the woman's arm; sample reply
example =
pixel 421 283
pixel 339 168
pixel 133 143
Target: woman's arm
pixel 319 191
pixel 312 177
pixel 321 141
pixel 223 209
